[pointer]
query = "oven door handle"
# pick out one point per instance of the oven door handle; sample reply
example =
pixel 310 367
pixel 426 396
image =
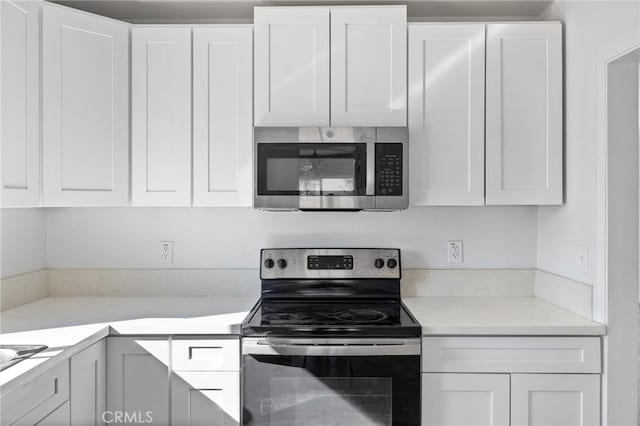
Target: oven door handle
pixel 330 347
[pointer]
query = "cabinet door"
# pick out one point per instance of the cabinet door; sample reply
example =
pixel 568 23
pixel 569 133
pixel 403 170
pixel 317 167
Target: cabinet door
pixel 369 66
pixel 59 417
pixel 446 114
pixel 291 66
pixel 222 120
pixel 85 70
pixel 35 400
pixel 524 113
pixel 138 378
pixel 89 385
pixel 161 116
pixel 205 398
pixel 555 399
pixel 465 399
pixel 20 103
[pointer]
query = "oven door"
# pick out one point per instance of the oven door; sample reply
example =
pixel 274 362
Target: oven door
pixel 313 175
pixel 331 382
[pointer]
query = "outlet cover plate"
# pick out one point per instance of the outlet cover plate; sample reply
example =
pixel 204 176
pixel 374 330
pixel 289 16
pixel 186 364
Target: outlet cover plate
pixel 454 251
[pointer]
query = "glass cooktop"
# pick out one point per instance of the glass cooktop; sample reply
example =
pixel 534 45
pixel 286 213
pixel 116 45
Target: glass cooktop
pixel 295 317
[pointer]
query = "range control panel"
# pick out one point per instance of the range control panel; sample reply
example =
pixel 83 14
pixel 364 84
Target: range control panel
pixel 330 262
pixel 388 169
pixel 316 263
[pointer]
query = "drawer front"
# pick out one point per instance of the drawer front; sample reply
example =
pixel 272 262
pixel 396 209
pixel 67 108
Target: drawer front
pixel 511 354
pixel 205 398
pixel 35 400
pixel 205 354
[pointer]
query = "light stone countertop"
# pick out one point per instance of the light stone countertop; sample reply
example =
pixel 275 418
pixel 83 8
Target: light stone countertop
pixel 68 325
pixel 493 316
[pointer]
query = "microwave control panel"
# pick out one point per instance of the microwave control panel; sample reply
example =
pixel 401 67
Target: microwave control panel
pixel 388 169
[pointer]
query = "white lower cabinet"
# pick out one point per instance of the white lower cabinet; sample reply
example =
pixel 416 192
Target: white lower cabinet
pixel 44 400
pixel 59 416
pixel 205 381
pixel 555 399
pixel 89 385
pixel 138 379
pixel 465 399
pixel 182 382
pixel 205 398
pixel 516 381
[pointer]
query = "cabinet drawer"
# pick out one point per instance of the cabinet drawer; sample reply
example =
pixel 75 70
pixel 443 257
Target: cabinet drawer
pixel 205 398
pixel 206 354
pixel 35 400
pixel 511 354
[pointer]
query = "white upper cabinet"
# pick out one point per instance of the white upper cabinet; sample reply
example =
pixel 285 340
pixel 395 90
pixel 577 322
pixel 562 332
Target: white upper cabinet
pixel 365 47
pixel 161 116
pixel 446 114
pixel 20 103
pixel 85 70
pixel 291 66
pixel 524 113
pixel 369 66
pixel 222 119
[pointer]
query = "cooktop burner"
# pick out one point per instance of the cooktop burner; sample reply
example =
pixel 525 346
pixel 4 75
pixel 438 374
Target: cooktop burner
pixel 288 313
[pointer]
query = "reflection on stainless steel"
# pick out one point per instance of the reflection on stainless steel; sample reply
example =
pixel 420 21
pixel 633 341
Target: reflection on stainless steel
pixel 329 400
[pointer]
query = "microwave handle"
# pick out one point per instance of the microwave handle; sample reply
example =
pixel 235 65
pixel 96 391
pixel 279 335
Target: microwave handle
pixel 371 169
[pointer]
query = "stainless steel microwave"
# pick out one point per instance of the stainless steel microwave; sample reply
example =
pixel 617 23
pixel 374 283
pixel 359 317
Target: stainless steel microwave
pixel 329 168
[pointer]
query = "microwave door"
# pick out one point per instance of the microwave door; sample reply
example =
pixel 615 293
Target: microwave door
pixel 312 175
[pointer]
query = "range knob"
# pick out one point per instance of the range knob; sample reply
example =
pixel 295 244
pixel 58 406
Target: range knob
pixel 282 263
pixel 268 263
pixel 379 263
pixel 392 263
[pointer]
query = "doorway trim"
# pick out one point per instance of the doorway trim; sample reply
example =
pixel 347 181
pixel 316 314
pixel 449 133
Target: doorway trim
pixel 617 49
pixel 603 59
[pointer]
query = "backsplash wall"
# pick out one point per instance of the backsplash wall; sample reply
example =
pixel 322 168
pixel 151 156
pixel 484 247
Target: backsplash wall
pixel 129 237
pixel 22 237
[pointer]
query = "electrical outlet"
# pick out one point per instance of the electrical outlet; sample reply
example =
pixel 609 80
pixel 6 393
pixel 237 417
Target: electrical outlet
pixel 166 252
pixel 454 251
pixel 582 258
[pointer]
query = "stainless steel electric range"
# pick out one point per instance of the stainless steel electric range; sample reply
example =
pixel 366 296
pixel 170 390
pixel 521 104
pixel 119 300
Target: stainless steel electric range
pixel 330 342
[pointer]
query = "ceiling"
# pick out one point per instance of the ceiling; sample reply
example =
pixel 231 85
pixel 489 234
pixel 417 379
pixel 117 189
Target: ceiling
pixel 242 10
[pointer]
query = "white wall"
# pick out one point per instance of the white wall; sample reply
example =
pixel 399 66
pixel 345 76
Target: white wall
pixel 588 27
pixel 494 237
pixel 22 241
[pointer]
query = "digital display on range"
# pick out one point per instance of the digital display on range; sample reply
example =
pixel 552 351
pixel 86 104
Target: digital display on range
pixel 329 262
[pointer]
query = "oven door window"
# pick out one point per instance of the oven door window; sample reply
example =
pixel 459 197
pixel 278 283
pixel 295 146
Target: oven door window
pixel 314 390
pixel 312 169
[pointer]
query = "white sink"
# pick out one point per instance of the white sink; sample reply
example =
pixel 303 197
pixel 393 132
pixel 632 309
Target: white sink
pixel 11 354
